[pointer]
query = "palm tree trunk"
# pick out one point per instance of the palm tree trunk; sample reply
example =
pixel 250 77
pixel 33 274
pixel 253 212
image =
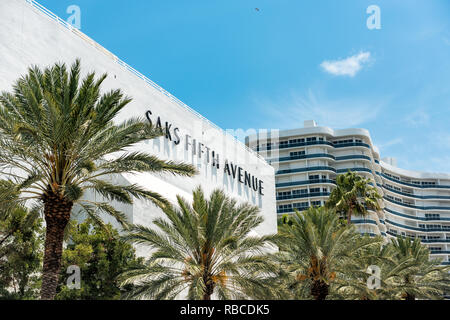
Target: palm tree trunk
pixel 57 215
pixel 409 296
pixel 349 216
pixel 319 290
pixel 208 292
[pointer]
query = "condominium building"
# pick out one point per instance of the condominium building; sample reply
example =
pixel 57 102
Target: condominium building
pixel 307 161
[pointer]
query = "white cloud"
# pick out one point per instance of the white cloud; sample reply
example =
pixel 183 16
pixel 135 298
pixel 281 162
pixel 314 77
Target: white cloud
pixel 346 67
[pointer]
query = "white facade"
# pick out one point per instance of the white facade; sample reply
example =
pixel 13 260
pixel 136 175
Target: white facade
pixel 308 159
pixel 29 35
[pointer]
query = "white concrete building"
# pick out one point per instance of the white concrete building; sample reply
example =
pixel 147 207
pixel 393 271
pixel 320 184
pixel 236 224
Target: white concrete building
pixel 31 35
pixel 307 160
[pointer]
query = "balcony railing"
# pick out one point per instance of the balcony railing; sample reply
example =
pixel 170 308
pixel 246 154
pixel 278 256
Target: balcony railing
pixel 304 195
pixel 305 182
pixel 422 240
pixel 411 195
pixel 431 186
pixel 416 218
pixel 311 143
pixel 307 169
pixel 416 207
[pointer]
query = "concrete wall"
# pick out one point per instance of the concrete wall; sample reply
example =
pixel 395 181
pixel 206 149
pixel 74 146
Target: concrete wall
pixel 27 37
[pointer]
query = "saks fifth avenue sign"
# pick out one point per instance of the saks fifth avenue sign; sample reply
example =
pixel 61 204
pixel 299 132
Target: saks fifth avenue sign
pixel 201 150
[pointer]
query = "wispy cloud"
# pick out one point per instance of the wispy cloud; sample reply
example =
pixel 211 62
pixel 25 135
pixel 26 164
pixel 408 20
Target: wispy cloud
pixel 447 41
pixel 383 146
pixel 346 67
pixel 440 140
pixel 418 118
pixel 334 113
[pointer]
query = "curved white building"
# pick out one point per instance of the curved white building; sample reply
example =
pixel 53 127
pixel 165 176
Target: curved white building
pixel 306 163
pixel 32 35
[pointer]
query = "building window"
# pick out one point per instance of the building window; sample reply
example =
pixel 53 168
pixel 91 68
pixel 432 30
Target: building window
pixel 297 153
pixel 294 141
pixel 301 205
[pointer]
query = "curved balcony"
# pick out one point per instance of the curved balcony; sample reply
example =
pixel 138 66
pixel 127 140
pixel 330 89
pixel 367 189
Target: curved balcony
pixel 305 156
pixel 295 145
pixel 439 251
pixel 430 197
pixel 416 207
pixel 403 215
pixel 423 240
pixel 321 155
pixel 290 210
pixel 352 144
pixel 353 157
pixel 340 171
pixel 417 228
pixel 435 186
pixel 364 221
pixel 307 169
pixel 305 182
pixel 302 196
pixel 313 143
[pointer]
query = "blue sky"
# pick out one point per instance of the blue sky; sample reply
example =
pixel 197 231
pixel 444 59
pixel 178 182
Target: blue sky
pixel 294 60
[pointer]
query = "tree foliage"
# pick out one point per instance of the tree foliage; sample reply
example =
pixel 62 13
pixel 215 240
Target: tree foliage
pixel 101 256
pixel 314 249
pixel 21 250
pixel 353 194
pixel 203 250
pixel 60 138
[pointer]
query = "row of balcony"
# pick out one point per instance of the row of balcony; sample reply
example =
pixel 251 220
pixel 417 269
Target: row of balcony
pixel 411 195
pixel 304 195
pixel 417 228
pixel 416 207
pixel 416 218
pixel 324 155
pixel 420 186
pixel 322 168
pixel 312 143
pixel 423 240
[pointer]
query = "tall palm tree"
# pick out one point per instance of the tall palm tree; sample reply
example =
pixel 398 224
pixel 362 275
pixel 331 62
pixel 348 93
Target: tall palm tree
pixel 353 194
pixel 203 250
pixel 58 140
pixel 314 247
pixel 425 278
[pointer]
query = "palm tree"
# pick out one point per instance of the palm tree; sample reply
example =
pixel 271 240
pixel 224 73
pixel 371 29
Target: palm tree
pixel 313 248
pixel 353 194
pixel 205 249
pixel 405 273
pixel 58 140
pixel 354 282
pixel 425 278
